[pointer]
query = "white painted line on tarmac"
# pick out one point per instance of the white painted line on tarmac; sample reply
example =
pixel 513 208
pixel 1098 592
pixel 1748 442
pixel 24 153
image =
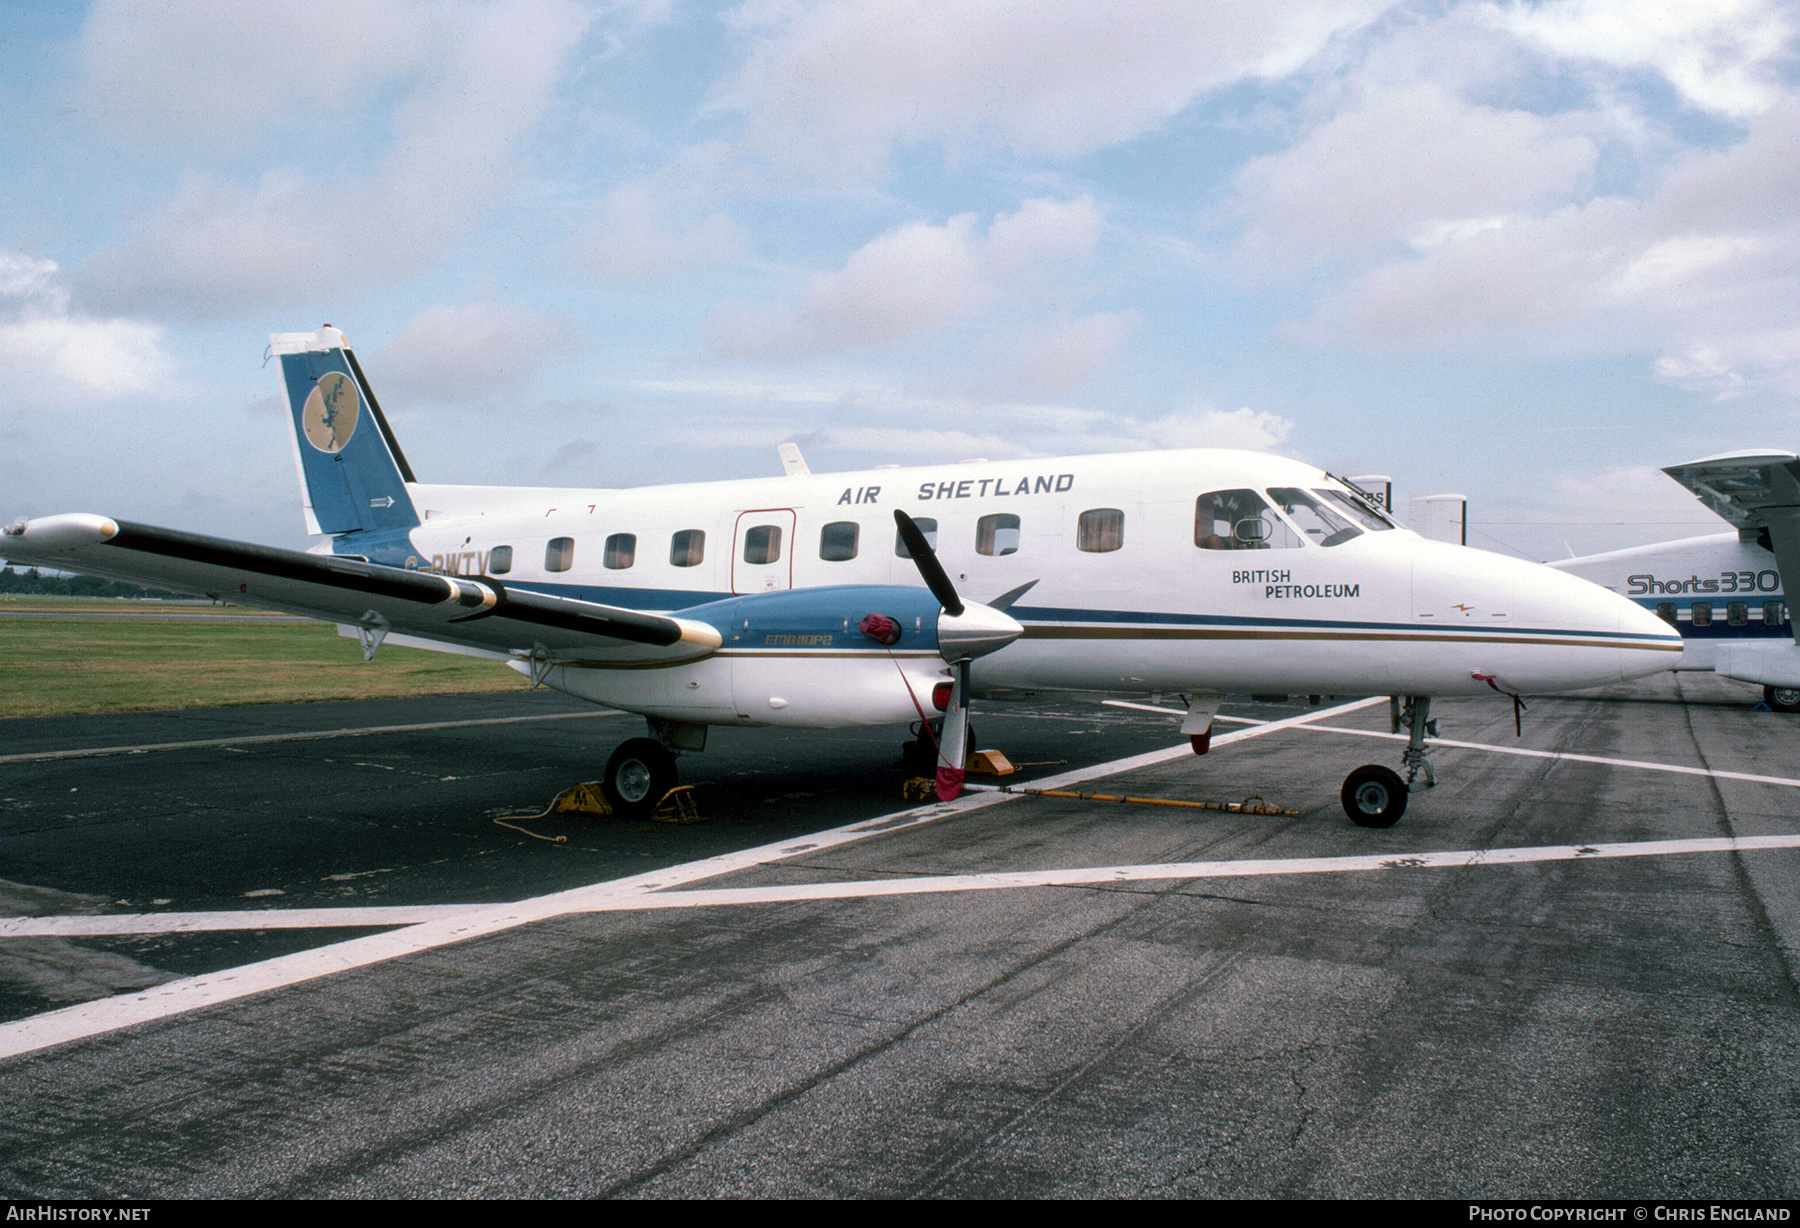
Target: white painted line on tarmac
pixel 191 993
pixel 1435 743
pixel 1183 871
pixel 641 900
pixel 1229 720
pixel 310 735
pixel 240 919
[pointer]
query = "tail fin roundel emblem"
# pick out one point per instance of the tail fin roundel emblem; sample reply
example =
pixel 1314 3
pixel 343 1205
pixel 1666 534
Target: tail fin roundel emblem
pixel 331 411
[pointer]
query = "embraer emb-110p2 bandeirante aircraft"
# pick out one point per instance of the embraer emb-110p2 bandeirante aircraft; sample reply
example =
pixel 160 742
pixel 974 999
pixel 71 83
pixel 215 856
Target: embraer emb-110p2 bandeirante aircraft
pixel 796 600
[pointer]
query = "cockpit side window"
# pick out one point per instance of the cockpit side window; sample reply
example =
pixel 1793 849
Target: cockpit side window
pixel 1320 524
pixel 1239 520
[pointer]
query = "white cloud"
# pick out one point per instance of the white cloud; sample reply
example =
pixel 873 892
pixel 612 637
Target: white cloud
pixel 579 458
pixel 831 86
pixel 23 276
pixel 1072 352
pixel 922 443
pixel 51 355
pixel 1412 164
pixel 917 277
pixel 1724 56
pixel 466 354
pixel 643 237
pixel 1640 491
pixel 917 443
pixel 1733 366
pixel 1256 430
pixel 1703 272
pixel 206 72
pixel 1042 231
pixel 471 81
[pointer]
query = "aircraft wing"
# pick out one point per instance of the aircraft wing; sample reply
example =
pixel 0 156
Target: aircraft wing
pixel 451 610
pixel 1743 487
pixel 1754 490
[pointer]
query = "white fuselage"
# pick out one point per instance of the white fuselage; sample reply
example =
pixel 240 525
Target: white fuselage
pixel 1722 593
pixel 1132 590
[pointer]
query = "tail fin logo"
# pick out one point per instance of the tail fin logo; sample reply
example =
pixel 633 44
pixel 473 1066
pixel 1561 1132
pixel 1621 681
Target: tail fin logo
pixel 331 412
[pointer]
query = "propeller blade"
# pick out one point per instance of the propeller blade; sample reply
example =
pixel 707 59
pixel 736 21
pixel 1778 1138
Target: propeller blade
pixel 925 559
pixel 953 742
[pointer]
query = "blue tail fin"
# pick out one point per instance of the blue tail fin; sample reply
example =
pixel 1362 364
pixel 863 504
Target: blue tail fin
pixel 352 472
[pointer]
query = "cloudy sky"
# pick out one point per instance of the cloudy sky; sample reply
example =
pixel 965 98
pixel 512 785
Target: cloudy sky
pixel 1525 251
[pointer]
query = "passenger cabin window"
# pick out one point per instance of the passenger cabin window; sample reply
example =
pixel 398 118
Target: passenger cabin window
pixel 1321 525
pixel 621 551
pixel 500 560
pixel 762 544
pixel 927 526
pixel 1772 614
pixel 998 534
pixel 687 548
pixel 1703 613
pixel 837 541
pixel 1240 520
pixel 1665 610
pixel 1100 530
pixel 1737 613
pixel 559 555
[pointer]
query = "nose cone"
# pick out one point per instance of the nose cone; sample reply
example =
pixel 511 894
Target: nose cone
pixel 1655 645
pixel 1640 643
pixel 977 631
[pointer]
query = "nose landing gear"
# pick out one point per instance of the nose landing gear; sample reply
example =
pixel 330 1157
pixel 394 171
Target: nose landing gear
pixel 1375 796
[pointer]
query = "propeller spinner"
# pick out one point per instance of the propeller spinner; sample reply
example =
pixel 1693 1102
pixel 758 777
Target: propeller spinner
pixel 966 630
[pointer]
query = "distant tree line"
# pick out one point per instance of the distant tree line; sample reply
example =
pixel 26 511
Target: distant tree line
pixel 58 584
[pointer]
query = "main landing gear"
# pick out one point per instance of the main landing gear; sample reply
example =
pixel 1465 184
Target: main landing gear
pixel 921 754
pixel 638 776
pixel 1375 796
pixel 1782 698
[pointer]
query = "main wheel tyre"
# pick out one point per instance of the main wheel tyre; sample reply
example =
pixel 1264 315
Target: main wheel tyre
pixel 1374 796
pixel 1782 698
pixel 921 754
pixel 638 775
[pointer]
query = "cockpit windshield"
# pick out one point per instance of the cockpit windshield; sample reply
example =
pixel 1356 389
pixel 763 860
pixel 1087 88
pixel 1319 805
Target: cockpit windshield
pixel 1369 515
pixel 1321 525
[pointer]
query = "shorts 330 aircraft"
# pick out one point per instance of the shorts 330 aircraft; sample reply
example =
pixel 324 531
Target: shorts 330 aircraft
pixel 796 601
pixel 1723 592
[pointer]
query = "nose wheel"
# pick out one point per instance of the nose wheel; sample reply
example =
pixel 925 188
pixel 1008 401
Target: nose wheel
pixel 1375 796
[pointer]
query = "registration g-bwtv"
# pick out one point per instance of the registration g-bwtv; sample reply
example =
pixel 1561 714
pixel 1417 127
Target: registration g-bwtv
pixel 827 600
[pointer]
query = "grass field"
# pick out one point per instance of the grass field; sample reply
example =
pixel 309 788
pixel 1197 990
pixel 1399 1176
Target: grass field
pixel 75 664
